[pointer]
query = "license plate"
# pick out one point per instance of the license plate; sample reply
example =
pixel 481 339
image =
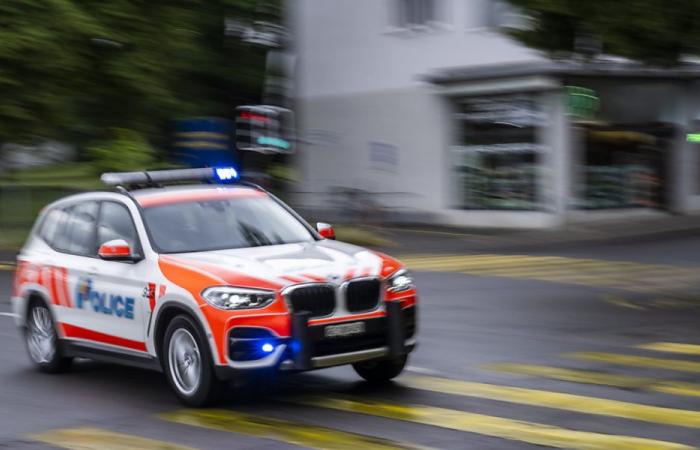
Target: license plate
pixel 344 330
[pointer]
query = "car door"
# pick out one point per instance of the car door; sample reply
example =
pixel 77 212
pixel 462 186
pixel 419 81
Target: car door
pixel 73 241
pixel 119 287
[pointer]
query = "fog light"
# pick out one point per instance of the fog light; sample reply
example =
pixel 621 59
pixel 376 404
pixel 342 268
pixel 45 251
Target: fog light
pixel 267 347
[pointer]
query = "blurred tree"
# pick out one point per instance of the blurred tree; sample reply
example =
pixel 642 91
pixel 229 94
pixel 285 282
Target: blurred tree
pixel 652 31
pixel 74 69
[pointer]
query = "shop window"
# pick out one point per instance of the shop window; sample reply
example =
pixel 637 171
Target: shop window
pixel 625 166
pixel 498 159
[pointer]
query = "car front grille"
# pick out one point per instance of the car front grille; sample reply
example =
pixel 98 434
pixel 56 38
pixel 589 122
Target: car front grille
pixel 362 295
pixel 317 299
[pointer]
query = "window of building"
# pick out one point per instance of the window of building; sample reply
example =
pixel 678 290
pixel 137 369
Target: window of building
pixel 503 15
pixel 412 13
pixel 498 159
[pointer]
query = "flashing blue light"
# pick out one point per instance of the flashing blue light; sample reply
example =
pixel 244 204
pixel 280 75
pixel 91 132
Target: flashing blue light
pixel 225 173
pixel 267 347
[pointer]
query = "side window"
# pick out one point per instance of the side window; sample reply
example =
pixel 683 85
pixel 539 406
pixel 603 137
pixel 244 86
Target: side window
pixel 54 225
pixel 116 223
pixel 78 235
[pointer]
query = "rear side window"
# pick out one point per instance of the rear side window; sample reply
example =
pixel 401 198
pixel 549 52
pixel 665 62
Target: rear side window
pixel 72 229
pixel 53 225
pixel 116 223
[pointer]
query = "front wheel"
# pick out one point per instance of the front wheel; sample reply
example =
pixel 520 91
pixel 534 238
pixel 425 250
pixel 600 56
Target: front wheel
pixel 42 341
pixel 189 364
pixel 381 371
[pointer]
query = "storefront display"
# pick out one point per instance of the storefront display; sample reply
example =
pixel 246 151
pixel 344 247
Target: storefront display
pixel 498 163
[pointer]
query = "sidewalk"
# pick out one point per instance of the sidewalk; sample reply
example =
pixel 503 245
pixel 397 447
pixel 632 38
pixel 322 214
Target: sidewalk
pixel 413 240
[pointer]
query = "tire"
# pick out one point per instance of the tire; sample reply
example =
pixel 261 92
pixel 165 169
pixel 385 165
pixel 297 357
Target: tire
pixel 189 365
pixel 381 370
pixel 41 340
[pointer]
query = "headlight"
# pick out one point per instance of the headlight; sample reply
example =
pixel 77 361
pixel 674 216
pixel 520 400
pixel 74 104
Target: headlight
pixel 401 281
pixel 226 297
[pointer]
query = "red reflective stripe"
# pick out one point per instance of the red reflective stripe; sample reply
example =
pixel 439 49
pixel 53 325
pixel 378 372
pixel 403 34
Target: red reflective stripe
pixel 52 282
pixel 365 272
pixel 152 295
pixel 72 331
pixel 161 290
pixel 65 287
pixel 349 274
pixel 193 196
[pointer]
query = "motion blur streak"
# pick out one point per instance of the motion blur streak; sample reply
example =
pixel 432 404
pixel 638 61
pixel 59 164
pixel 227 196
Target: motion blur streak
pixel 86 438
pixel 516 430
pixel 606 379
pixel 557 400
pixel 673 347
pixel 280 430
pixel 638 361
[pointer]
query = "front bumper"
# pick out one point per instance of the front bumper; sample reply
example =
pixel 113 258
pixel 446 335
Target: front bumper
pixel 311 346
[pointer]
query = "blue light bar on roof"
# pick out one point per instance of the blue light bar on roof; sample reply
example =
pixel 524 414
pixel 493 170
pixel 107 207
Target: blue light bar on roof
pixel 222 174
pixel 225 173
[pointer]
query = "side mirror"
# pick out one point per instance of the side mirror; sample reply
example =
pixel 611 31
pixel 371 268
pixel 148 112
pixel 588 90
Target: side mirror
pixel 116 250
pixel 325 230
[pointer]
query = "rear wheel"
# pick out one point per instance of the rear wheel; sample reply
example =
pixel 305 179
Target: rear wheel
pixel 189 364
pixel 42 341
pixel 382 370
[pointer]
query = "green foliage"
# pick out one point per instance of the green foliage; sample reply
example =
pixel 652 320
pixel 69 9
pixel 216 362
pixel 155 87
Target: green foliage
pixel 73 69
pixel 126 150
pixel 652 31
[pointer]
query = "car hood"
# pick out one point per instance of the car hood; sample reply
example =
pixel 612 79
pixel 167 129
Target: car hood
pixel 282 265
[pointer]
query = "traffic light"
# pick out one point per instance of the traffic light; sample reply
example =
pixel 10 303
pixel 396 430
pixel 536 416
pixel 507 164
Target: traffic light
pixel 265 129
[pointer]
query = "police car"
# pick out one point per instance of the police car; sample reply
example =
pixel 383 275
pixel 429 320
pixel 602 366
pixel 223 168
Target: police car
pixel 205 277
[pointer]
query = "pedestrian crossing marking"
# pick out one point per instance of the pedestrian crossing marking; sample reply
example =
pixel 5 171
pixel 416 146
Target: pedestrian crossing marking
pixel 87 438
pixel 672 347
pixel 280 430
pixel 598 378
pixel 625 275
pixel 638 361
pixel 499 427
pixel 557 400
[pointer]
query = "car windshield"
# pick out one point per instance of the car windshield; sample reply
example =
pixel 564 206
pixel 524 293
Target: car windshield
pixel 194 226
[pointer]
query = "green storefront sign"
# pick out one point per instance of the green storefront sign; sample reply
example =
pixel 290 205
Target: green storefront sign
pixel 582 103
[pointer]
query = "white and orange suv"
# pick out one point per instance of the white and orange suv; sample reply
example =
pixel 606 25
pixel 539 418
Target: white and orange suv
pixel 205 282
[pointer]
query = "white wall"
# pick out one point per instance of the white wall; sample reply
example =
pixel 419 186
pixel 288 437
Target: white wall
pixel 351 46
pixel 359 81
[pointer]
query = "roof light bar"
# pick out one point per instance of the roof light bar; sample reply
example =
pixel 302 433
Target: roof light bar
pixel 222 174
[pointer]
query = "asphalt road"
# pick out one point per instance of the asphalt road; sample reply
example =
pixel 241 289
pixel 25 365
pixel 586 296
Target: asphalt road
pixel 567 348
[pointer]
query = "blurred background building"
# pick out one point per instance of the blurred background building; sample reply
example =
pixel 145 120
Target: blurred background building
pixel 428 111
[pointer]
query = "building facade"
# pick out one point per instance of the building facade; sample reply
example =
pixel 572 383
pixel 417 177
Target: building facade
pixel 430 111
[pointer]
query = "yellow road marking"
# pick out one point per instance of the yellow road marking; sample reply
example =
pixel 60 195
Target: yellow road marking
pixel 86 438
pixel 673 347
pixel 557 400
pixel 589 377
pixel 515 430
pixel 7 266
pixel 626 275
pixel 619 301
pixel 638 361
pixel 280 430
